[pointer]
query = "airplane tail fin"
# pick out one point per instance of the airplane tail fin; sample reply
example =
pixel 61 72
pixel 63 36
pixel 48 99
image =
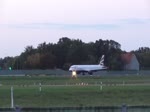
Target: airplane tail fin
pixel 101 60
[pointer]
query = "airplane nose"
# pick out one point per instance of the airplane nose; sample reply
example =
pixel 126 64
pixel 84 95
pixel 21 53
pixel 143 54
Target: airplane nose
pixel 70 69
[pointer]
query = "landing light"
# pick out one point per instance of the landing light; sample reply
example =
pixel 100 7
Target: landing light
pixel 74 74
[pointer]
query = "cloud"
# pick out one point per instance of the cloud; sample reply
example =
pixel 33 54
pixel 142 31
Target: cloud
pixel 135 21
pixel 113 25
pixel 61 26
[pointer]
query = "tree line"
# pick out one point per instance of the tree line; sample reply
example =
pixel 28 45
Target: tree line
pixel 67 52
pixel 143 56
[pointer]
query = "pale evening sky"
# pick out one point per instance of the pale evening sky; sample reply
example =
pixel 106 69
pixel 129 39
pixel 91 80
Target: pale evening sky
pixel 31 22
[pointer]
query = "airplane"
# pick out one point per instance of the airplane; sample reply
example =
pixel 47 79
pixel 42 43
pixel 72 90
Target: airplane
pixel 77 69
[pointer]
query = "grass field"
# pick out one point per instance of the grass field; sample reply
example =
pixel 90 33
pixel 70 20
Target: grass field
pixel 83 91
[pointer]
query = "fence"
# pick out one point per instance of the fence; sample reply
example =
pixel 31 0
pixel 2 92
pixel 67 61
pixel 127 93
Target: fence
pixel 33 72
pixel 62 72
pixel 124 108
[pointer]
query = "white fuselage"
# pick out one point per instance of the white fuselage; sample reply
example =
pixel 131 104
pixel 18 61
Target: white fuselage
pixel 86 68
pixel 75 69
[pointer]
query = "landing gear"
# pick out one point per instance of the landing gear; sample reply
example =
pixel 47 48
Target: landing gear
pixel 90 73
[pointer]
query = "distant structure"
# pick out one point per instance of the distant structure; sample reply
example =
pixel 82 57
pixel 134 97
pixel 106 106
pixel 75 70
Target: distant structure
pixel 130 61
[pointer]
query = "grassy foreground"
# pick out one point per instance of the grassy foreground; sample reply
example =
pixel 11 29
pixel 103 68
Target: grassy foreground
pixel 64 91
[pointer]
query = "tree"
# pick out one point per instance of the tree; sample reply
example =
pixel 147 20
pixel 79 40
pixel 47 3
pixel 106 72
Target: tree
pixel 67 52
pixel 61 51
pixel 42 48
pixel 33 61
pixel 77 52
pixel 143 54
pixel 47 61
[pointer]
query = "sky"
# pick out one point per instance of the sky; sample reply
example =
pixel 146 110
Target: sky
pixel 31 22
